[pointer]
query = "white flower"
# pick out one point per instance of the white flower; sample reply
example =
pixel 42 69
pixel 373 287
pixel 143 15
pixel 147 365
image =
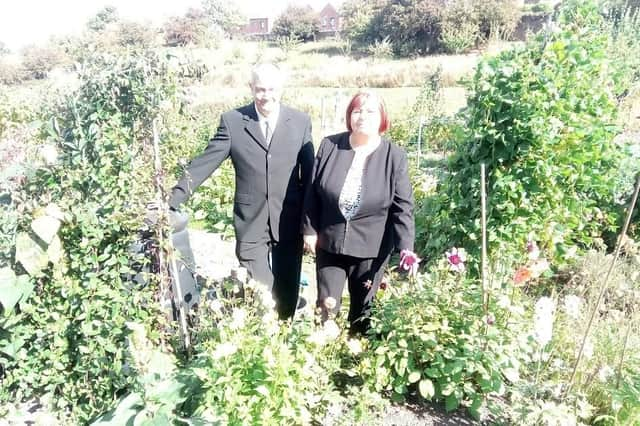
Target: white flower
pixel 539 267
pixel 604 373
pixel 331 330
pixel 354 345
pixel 572 306
pixel 223 350
pixel 238 317
pixel 216 306
pixel 266 298
pixel 49 154
pixel 543 320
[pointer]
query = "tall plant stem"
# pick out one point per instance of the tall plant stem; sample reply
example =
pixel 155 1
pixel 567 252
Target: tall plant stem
pixel 603 287
pixel 483 202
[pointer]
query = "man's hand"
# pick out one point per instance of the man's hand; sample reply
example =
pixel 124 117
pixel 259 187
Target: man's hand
pixel 310 242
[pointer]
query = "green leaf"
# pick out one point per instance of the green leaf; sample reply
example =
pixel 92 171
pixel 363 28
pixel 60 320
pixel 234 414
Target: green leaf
pixel 45 227
pixel 13 288
pixel 426 389
pixel 414 376
pixel 30 255
pixel 124 413
pixel 451 402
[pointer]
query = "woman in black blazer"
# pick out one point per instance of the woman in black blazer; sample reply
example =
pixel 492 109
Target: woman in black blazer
pixel 358 208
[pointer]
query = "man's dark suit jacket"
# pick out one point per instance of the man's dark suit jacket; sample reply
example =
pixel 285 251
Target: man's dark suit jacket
pixel 270 179
pixel 385 216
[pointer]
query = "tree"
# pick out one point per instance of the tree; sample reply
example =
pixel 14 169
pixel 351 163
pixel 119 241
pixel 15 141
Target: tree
pixel 188 29
pixel 223 15
pixel 297 22
pixel 105 16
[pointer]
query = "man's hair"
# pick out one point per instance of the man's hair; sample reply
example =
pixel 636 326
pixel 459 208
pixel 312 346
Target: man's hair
pixel 267 72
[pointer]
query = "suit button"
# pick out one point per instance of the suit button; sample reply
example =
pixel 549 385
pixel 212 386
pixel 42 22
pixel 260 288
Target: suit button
pixel 269 156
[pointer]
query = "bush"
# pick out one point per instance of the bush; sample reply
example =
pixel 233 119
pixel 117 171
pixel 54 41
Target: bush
pixel 185 30
pixel 433 338
pixel 545 136
pixel 297 22
pixel 11 73
pixel 498 18
pixel 37 61
pixel 66 342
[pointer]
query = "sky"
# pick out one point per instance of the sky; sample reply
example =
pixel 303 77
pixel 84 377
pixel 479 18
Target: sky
pixel 24 22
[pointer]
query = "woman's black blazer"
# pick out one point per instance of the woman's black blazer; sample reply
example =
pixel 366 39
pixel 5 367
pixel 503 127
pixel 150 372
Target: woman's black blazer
pixel 385 217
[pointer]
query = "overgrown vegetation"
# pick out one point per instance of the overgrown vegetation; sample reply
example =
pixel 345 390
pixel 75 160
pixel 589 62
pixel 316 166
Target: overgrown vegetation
pixel 90 345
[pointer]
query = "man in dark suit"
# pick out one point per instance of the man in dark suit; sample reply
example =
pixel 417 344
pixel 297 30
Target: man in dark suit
pixel 272 154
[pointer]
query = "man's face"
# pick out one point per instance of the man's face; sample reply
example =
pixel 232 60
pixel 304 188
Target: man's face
pixel 266 95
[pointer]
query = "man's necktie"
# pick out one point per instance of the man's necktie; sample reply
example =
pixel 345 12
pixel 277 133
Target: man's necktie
pixel 267 133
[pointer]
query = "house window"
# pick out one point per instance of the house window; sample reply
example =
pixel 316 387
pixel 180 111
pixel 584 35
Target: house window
pixel 333 22
pixel 324 21
pixel 262 25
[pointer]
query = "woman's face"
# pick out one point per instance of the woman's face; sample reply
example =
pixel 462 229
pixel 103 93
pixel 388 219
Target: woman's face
pixel 365 119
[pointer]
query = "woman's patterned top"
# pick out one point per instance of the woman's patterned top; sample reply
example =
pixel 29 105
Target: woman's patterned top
pixel 349 201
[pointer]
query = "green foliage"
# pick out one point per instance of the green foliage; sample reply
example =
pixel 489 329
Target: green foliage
pixel 434 338
pixel 38 61
pixel 419 27
pixel 104 17
pixel 190 29
pixel 498 18
pixel 460 27
pixel 134 34
pixel 224 16
pixel 381 49
pixel 542 119
pixel 68 340
pixel 297 22
pixel 250 368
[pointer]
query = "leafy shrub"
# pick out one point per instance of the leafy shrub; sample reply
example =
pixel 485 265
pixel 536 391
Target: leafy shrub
pixel 66 340
pixel 459 28
pixel 498 18
pixel 11 73
pixel 381 49
pixel 435 339
pixel 37 61
pixel 297 22
pixel 252 368
pixel 545 136
pixel 104 17
pixel 134 34
pixel 188 29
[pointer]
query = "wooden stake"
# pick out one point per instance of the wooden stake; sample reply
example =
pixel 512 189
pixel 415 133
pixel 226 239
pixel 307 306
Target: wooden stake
pixel 603 287
pixel 483 200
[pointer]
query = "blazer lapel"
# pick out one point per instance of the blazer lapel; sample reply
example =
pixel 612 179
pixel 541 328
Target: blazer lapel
pixel 252 126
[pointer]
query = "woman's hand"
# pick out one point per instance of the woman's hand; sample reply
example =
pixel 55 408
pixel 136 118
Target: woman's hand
pixel 310 242
pixel 409 262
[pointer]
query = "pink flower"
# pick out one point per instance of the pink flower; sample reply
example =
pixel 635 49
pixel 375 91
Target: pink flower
pixel 456 258
pixel 409 261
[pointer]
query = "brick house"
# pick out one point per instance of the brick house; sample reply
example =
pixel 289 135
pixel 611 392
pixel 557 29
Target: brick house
pixel 329 19
pixel 257 26
pixel 261 24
